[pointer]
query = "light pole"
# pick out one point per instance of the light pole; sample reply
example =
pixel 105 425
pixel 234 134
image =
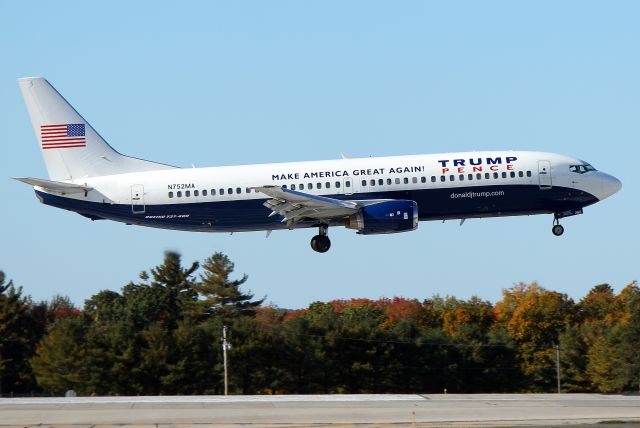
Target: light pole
pixel 225 346
pixel 558 366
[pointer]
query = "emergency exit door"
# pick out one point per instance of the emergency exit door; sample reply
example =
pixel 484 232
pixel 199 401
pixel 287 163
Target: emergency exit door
pixel 347 186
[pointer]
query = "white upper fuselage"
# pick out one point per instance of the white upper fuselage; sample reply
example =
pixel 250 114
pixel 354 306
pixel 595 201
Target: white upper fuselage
pixel 330 177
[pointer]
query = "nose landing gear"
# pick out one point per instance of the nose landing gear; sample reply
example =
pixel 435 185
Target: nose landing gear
pixel 321 242
pixel 557 228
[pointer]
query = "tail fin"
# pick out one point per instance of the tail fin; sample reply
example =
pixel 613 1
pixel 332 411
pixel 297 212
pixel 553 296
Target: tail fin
pixel 71 148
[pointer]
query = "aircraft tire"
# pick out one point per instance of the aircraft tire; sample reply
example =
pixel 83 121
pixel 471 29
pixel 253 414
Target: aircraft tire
pixel 557 230
pixel 320 243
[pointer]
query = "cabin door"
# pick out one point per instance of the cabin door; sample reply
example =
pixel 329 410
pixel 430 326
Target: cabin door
pixel 544 174
pixel 137 199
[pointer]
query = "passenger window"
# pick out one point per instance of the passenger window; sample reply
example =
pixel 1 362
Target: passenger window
pixel 347 184
pixel 179 194
pixel 520 174
pixel 372 182
pixel 318 185
pixel 309 186
pixel 293 187
pixel 337 184
pixel 284 186
pixel 196 193
pixel 512 174
pixel 452 177
pixel 221 192
pixel 433 178
pixel 470 177
pixel 406 180
pixel 238 190
pixel 171 194
pixel 230 191
pixel 248 189
pixel 461 177
pixel 414 180
pixel 364 182
pixel 443 178
pixel 495 175
pixel 187 193
pixel 380 182
pixel 528 173
pixel 213 192
pixel 487 175
pixel 423 179
pixel 327 185
pixel 478 176
pixel 504 175
pixel 204 192
pixel 389 182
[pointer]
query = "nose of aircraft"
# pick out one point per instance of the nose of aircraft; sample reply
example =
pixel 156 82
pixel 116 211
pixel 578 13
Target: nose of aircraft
pixel 610 185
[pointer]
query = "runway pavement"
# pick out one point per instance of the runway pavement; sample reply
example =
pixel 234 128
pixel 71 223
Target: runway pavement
pixel 321 410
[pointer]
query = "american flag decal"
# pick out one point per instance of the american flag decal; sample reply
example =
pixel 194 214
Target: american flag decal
pixel 64 136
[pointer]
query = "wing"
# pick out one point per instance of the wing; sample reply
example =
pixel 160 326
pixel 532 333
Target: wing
pixel 295 206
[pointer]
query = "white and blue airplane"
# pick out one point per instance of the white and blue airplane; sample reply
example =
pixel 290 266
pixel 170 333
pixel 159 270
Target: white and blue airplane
pixel 370 195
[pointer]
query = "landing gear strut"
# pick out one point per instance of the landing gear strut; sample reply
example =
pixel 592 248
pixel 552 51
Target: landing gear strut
pixel 321 242
pixel 557 228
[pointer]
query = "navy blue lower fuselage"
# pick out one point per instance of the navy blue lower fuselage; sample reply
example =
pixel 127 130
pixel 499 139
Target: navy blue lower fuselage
pixel 250 215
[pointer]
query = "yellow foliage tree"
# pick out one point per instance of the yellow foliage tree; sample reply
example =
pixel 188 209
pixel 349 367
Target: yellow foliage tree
pixel 535 317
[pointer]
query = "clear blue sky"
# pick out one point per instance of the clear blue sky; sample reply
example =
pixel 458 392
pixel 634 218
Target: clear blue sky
pixel 221 83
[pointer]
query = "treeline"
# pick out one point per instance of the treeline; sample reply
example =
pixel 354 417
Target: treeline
pixel 162 335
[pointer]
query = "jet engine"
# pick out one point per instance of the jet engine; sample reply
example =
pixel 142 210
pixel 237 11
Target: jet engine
pixel 385 217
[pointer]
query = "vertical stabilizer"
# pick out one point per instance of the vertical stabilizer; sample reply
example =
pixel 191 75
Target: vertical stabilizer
pixel 71 148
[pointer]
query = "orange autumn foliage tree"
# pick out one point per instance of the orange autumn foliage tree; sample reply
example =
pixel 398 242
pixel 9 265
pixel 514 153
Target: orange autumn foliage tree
pixel 535 318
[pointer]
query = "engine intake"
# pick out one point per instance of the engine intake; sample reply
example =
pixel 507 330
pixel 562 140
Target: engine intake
pixel 385 217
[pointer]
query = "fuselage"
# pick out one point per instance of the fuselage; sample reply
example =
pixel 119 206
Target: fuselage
pixel 444 186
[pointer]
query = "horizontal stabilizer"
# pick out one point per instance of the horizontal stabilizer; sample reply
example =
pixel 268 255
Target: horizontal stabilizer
pixel 55 186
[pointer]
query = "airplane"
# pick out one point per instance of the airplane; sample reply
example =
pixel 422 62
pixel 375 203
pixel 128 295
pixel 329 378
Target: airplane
pixel 376 195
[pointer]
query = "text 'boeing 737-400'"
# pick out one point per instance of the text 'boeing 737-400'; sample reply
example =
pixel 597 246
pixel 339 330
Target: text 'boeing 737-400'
pixel 369 195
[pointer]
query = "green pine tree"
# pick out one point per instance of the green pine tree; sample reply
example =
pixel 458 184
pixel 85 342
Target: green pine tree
pixel 221 296
pixel 15 344
pixel 174 278
pixel 59 361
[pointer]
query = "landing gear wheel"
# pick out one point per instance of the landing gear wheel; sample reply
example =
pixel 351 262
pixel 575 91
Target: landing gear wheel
pixel 557 230
pixel 320 243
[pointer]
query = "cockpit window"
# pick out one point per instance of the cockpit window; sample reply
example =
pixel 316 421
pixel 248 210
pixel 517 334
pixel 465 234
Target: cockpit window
pixel 581 169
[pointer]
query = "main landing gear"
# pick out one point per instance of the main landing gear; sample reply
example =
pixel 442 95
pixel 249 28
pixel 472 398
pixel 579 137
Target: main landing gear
pixel 321 242
pixel 557 228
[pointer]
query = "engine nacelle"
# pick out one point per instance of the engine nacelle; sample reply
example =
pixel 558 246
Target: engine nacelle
pixel 385 217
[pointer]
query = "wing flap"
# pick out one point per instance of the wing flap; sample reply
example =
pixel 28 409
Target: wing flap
pixel 294 206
